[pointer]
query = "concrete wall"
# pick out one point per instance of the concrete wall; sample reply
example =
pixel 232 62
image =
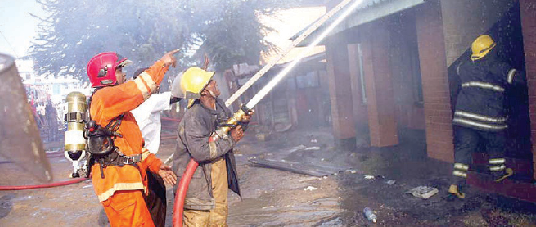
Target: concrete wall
pixel 464 20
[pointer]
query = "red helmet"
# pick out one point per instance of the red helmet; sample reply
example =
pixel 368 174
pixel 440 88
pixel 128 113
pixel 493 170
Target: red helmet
pixel 101 68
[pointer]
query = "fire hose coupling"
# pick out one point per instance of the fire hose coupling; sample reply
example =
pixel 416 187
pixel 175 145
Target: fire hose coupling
pixel 247 111
pixel 238 117
pixel 235 120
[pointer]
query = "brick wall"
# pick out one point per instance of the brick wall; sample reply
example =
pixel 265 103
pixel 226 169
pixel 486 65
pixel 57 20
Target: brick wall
pixel 380 95
pixel 437 110
pixel 528 24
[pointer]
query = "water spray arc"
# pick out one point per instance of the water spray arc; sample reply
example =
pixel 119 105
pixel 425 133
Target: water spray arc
pixel 237 116
pixel 268 87
pixel 293 45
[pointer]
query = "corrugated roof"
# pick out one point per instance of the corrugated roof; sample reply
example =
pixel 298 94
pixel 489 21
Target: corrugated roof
pixel 367 3
pixel 367 11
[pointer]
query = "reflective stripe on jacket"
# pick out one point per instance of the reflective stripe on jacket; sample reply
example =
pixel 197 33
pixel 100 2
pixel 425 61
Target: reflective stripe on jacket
pixel 481 102
pixel 110 102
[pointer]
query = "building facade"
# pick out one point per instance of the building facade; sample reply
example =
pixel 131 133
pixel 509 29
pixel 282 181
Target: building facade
pixel 391 68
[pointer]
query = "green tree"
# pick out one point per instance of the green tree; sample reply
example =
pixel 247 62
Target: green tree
pixel 75 30
pixel 232 33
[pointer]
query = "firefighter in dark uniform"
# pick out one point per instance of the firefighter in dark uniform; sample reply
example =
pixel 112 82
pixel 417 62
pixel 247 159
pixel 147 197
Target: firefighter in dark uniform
pixel 206 200
pixel 480 116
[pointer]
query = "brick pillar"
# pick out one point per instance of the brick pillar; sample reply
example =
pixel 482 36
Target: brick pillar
pixel 380 95
pixel 437 109
pixel 528 24
pixel 340 91
pixel 360 109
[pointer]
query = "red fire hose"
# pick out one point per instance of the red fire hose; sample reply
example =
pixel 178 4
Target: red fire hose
pixel 37 186
pixel 182 188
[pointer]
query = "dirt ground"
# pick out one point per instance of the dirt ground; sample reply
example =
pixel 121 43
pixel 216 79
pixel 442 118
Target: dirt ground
pixel 273 197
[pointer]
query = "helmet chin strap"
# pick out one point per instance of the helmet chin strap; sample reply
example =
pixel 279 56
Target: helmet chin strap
pixel 212 94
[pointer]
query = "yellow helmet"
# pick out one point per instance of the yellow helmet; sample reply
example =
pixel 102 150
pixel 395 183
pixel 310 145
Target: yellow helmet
pixel 481 46
pixel 193 81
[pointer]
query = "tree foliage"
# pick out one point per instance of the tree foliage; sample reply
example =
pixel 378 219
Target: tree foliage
pixel 230 34
pixel 75 30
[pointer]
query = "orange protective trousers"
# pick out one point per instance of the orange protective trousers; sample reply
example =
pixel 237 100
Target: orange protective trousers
pixel 127 208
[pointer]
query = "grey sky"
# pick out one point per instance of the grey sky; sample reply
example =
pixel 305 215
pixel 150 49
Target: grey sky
pixel 17 27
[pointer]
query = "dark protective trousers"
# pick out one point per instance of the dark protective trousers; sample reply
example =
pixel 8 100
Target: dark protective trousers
pixel 467 141
pixel 156 198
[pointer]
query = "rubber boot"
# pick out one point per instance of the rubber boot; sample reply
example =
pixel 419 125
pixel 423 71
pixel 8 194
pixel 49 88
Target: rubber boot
pixel 500 176
pixel 456 190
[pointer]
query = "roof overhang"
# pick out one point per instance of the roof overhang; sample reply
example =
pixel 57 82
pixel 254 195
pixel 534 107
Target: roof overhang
pixel 315 59
pixel 368 11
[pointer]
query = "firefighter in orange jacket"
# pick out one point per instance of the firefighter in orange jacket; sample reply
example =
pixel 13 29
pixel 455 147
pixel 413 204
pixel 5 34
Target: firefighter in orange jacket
pixel 118 174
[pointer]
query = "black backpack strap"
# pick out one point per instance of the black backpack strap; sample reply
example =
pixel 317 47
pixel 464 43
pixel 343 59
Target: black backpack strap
pixel 116 158
pixel 114 124
pixel 109 131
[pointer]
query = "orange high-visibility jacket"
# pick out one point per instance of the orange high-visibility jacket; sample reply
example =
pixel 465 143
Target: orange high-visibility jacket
pixel 110 102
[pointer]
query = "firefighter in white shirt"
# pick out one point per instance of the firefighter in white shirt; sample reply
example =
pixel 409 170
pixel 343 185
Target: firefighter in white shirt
pixel 148 119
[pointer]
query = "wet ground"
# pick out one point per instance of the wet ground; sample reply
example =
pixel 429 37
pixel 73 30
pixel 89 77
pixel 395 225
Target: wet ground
pixel 272 197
